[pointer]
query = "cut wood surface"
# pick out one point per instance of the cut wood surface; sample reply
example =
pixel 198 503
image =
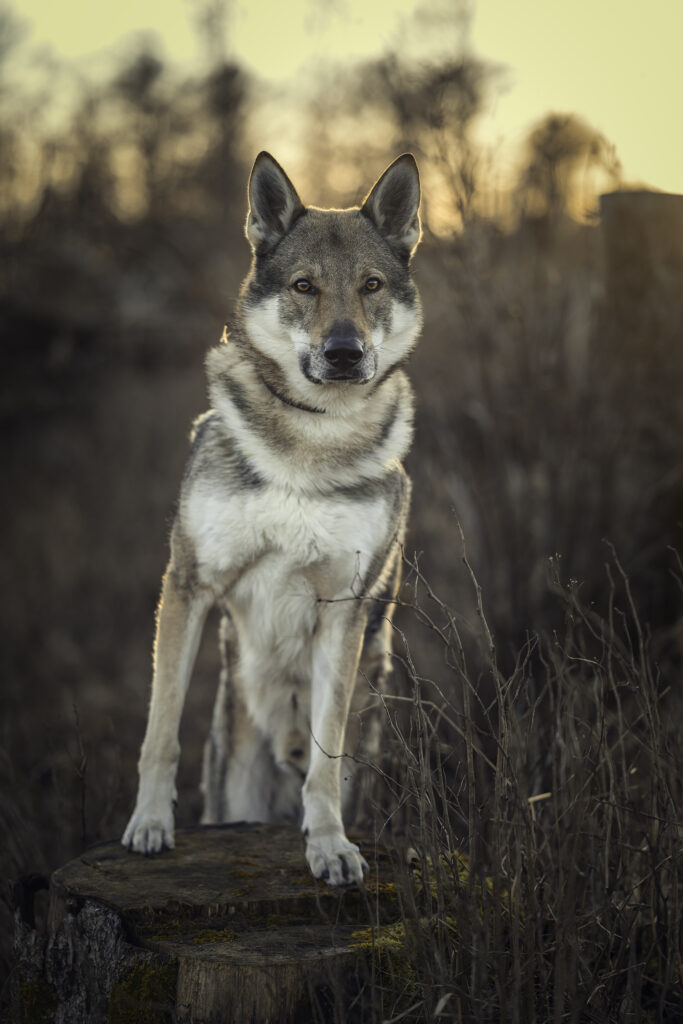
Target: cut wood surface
pixel 228 926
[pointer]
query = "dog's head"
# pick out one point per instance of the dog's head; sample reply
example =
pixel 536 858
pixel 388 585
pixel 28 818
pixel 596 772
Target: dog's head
pixel 330 298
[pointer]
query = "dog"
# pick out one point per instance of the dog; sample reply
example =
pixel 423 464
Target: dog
pixel 291 519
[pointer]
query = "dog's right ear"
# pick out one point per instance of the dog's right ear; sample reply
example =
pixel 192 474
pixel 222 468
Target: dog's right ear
pixel 273 204
pixel 393 204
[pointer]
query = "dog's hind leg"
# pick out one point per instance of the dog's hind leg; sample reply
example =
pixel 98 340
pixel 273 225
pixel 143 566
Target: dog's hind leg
pixel 213 785
pixel 363 736
pixel 251 779
pixel 364 727
pixel 239 774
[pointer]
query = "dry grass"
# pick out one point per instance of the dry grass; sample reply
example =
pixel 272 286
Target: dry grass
pixel 546 822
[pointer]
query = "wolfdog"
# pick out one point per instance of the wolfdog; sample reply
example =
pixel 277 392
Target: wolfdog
pixel 291 518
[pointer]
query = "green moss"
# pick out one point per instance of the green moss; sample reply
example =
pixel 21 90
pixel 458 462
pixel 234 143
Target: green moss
pixel 391 937
pixel 455 865
pixel 37 1002
pixel 453 873
pixel 387 945
pixel 145 995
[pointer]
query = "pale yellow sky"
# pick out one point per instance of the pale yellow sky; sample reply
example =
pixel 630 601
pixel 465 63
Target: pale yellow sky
pixel 617 64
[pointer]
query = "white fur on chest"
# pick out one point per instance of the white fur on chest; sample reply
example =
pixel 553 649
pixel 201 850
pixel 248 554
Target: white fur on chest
pixel 271 555
pixel 232 532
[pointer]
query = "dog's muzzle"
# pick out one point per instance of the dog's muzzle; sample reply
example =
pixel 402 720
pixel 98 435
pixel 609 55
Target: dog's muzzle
pixel 343 352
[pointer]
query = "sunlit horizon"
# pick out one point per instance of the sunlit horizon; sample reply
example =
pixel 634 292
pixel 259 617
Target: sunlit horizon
pixel 619 71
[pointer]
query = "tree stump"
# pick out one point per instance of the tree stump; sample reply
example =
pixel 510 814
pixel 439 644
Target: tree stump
pixel 641 338
pixel 643 248
pixel 228 927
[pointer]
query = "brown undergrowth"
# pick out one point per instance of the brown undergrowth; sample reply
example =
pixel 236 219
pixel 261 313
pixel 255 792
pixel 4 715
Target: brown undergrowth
pixel 544 823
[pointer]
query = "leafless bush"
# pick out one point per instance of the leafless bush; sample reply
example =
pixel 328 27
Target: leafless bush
pixel 545 824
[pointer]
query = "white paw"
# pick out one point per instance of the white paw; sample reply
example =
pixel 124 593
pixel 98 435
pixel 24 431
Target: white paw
pixel 150 832
pixel 333 858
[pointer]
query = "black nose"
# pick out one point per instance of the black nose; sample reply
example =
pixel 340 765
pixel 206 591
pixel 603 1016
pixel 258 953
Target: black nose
pixel 342 349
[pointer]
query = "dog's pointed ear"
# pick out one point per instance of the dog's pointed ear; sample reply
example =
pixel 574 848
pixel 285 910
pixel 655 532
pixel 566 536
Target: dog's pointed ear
pixel 392 205
pixel 273 203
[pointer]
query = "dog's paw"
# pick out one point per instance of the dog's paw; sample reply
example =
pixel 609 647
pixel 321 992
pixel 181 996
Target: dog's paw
pixel 149 833
pixel 333 858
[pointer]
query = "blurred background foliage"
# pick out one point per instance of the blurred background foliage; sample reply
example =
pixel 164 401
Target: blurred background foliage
pixel 548 423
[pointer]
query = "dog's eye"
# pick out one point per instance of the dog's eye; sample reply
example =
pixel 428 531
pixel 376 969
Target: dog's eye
pixel 302 285
pixel 373 284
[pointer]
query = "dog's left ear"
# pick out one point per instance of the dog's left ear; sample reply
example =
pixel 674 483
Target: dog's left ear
pixel 392 205
pixel 273 203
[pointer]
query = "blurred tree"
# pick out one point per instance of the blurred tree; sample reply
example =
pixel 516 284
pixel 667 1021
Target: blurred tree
pixel 566 164
pixel 394 104
pixel 403 101
pixel 211 20
pixel 12 32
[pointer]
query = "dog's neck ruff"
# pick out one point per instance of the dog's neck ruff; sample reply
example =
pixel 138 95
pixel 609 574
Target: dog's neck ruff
pixel 292 402
pixel 306 453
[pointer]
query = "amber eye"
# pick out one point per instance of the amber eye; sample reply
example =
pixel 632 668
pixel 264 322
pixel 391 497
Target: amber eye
pixel 302 285
pixel 373 284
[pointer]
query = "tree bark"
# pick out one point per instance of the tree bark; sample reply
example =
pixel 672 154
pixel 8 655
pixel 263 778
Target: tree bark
pixel 228 927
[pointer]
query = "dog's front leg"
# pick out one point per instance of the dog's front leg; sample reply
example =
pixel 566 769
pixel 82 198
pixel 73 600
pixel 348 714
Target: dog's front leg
pixel 336 653
pixel 180 617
